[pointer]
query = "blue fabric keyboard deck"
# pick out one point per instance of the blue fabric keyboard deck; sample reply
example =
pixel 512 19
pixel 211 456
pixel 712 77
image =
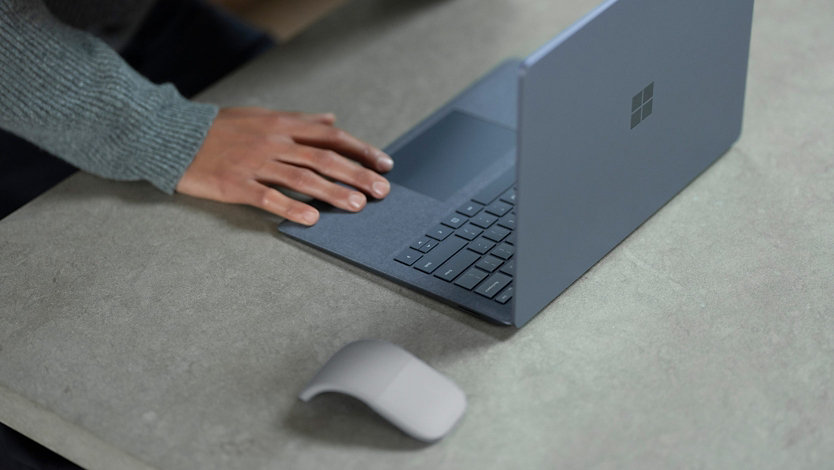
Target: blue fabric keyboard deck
pixel 473 247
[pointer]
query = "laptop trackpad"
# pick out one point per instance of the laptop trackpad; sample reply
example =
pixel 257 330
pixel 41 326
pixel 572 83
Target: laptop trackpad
pixel 449 154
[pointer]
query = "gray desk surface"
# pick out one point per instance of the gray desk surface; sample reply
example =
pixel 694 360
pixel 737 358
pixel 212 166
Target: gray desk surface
pixel 141 330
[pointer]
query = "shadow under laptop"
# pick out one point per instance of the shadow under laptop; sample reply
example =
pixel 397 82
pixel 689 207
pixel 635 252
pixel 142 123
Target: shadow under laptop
pixel 471 320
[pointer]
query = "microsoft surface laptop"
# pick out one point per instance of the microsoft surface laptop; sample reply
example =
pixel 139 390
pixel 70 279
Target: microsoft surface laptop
pixel 506 195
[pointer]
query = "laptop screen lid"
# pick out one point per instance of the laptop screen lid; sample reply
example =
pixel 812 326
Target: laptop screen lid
pixel 616 116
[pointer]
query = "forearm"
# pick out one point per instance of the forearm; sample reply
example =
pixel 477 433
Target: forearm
pixel 69 93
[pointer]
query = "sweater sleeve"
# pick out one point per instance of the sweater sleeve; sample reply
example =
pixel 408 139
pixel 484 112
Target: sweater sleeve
pixel 72 95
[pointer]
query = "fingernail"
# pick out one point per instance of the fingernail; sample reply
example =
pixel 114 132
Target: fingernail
pixel 310 217
pixel 356 201
pixel 380 188
pixel 384 162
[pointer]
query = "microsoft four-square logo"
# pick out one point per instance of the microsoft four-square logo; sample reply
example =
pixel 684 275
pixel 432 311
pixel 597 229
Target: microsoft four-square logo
pixel 641 105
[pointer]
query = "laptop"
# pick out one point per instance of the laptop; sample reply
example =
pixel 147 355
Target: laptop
pixel 506 195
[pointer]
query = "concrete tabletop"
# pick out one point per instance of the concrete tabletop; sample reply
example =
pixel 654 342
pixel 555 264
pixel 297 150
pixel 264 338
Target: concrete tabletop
pixel 146 331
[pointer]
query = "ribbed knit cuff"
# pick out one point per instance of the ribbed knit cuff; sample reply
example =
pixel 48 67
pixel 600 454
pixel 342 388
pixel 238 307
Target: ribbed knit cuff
pixel 161 148
pixel 72 95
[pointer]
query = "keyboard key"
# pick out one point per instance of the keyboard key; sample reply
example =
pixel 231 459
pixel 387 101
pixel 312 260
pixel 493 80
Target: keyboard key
pixel 512 238
pixel 508 221
pixel 508 268
pixel 504 251
pixel 470 209
pixel 430 262
pixel 496 234
pixel 408 256
pixel 484 220
pixel 456 265
pixel 493 285
pixel 419 243
pixel 499 208
pixel 469 232
pixel 428 245
pixel 509 197
pixel 505 296
pixel 471 278
pixel 496 188
pixel 481 245
pixel 454 221
pixel 489 263
pixel 440 232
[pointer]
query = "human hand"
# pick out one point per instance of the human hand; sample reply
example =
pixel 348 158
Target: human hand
pixel 248 149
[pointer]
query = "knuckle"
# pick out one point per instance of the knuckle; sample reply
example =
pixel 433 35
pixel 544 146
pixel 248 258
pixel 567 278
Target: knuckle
pixel 338 135
pixel 302 177
pixel 338 192
pixel 325 158
pixel 265 197
pixel 276 120
pixel 363 177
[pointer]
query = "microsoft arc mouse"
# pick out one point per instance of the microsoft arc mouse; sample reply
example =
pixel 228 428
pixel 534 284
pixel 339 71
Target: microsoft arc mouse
pixel 400 387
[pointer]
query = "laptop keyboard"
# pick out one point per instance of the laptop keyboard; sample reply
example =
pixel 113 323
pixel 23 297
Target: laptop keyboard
pixel 473 247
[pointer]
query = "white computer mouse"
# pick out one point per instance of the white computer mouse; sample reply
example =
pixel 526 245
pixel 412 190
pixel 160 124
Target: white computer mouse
pixel 400 387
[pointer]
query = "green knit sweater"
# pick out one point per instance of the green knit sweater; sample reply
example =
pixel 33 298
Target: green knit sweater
pixel 71 94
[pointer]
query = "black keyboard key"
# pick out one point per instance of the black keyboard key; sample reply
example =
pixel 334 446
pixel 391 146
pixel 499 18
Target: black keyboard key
pixel 471 278
pixel 454 221
pixel 508 268
pixel 419 243
pixel 484 220
pixel 504 251
pixel 512 238
pixel 469 232
pixel 509 197
pixel 428 245
pixel 408 256
pixel 456 265
pixel 499 208
pixel 470 209
pixel 496 234
pixel 481 245
pixel 489 263
pixel 494 189
pixel 508 221
pixel 505 296
pixel 430 262
pixel 440 232
pixel 493 285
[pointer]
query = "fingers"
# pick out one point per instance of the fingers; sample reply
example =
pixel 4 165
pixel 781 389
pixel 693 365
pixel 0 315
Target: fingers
pixel 337 167
pixel 310 183
pixel 248 149
pixel 317 130
pixel 332 138
pixel 271 200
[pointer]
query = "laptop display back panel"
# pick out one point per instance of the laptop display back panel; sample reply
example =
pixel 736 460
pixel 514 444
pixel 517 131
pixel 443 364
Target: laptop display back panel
pixel 616 116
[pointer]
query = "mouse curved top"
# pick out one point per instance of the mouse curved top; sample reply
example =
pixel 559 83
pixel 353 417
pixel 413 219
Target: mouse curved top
pixel 394 383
